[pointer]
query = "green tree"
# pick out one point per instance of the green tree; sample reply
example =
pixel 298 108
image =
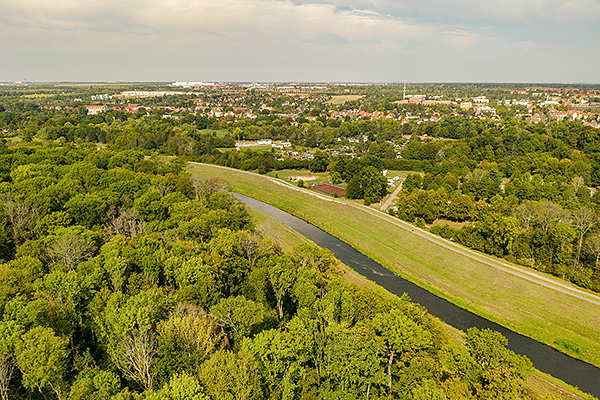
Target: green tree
pixel 282 274
pixel 354 189
pixel 353 360
pixel 127 326
pixel 373 184
pixel 187 337
pixel 230 376
pixel 180 387
pixel 401 335
pixel 42 358
pixel 240 316
pixel 10 332
pixel 319 162
pixel 489 350
pixel 276 353
pixel 87 210
pixel 92 383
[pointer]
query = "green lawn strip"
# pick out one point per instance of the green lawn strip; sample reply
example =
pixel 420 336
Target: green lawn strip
pixel 282 235
pixel 259 148
pixel 287 239
pixel 401 174
pixel 526 307
pixel 548 386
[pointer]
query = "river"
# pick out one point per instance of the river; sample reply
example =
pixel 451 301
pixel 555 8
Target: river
pixel 575 372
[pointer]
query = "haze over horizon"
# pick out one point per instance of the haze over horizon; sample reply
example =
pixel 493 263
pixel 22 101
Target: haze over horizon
pixel 549 41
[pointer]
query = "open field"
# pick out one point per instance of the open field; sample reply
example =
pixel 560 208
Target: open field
pixel 38 95
pixel 287 239
pixel 341 99
pixel 261 148
pixel 306 175
pixel 537 305
pixel 402 174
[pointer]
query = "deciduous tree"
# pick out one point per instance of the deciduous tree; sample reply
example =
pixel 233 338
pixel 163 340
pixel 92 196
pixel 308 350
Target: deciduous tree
pixel 42 359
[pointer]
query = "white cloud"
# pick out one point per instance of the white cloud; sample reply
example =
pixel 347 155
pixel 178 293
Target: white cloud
pixel 226 17
pixel 278 39
pixel 526 45
pixel 557 12
pixel 460 39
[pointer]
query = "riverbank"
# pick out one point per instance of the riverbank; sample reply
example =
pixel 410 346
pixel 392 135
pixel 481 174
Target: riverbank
pixel 541 383
pixel 543 313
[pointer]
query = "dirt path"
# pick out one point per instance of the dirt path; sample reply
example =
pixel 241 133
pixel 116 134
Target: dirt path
pixel 528 274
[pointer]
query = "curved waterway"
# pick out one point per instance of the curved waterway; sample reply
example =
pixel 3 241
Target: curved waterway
pixel 575 372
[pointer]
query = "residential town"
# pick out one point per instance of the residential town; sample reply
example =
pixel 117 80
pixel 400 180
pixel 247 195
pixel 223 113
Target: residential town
pixel 298 103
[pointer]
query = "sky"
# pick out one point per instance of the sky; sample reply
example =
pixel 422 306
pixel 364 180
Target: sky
pixel 554 41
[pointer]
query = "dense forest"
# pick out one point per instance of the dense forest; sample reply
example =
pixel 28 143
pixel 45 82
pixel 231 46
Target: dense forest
pixel 122 278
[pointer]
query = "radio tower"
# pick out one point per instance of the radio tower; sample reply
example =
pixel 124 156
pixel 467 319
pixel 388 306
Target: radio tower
pixel 404 94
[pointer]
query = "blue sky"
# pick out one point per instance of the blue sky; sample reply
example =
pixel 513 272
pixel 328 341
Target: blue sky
pixel 293 40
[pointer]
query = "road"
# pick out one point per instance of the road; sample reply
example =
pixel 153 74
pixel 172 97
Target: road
pixel 525 273
pixel 388 202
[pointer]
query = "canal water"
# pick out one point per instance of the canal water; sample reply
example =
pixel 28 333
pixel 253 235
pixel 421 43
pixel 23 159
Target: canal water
pixel 575 372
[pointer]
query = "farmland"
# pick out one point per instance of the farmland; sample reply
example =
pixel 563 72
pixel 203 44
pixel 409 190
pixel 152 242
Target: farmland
pixel 341 99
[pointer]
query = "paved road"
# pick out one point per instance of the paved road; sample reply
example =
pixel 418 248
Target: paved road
pixel 388 202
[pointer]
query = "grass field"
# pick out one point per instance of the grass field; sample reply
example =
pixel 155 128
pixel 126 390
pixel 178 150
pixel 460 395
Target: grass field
pixel 401 174
pixel 526 307
pixel 38 95
pixel 285 174
pixel 261 148
pixel 287 239
pixel 341 99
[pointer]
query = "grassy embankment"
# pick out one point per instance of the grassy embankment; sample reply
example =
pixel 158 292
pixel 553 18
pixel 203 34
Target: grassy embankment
pixel 526 307
pixel 287 239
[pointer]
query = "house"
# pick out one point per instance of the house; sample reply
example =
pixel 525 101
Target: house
pixel 95 110
pixel 535 118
